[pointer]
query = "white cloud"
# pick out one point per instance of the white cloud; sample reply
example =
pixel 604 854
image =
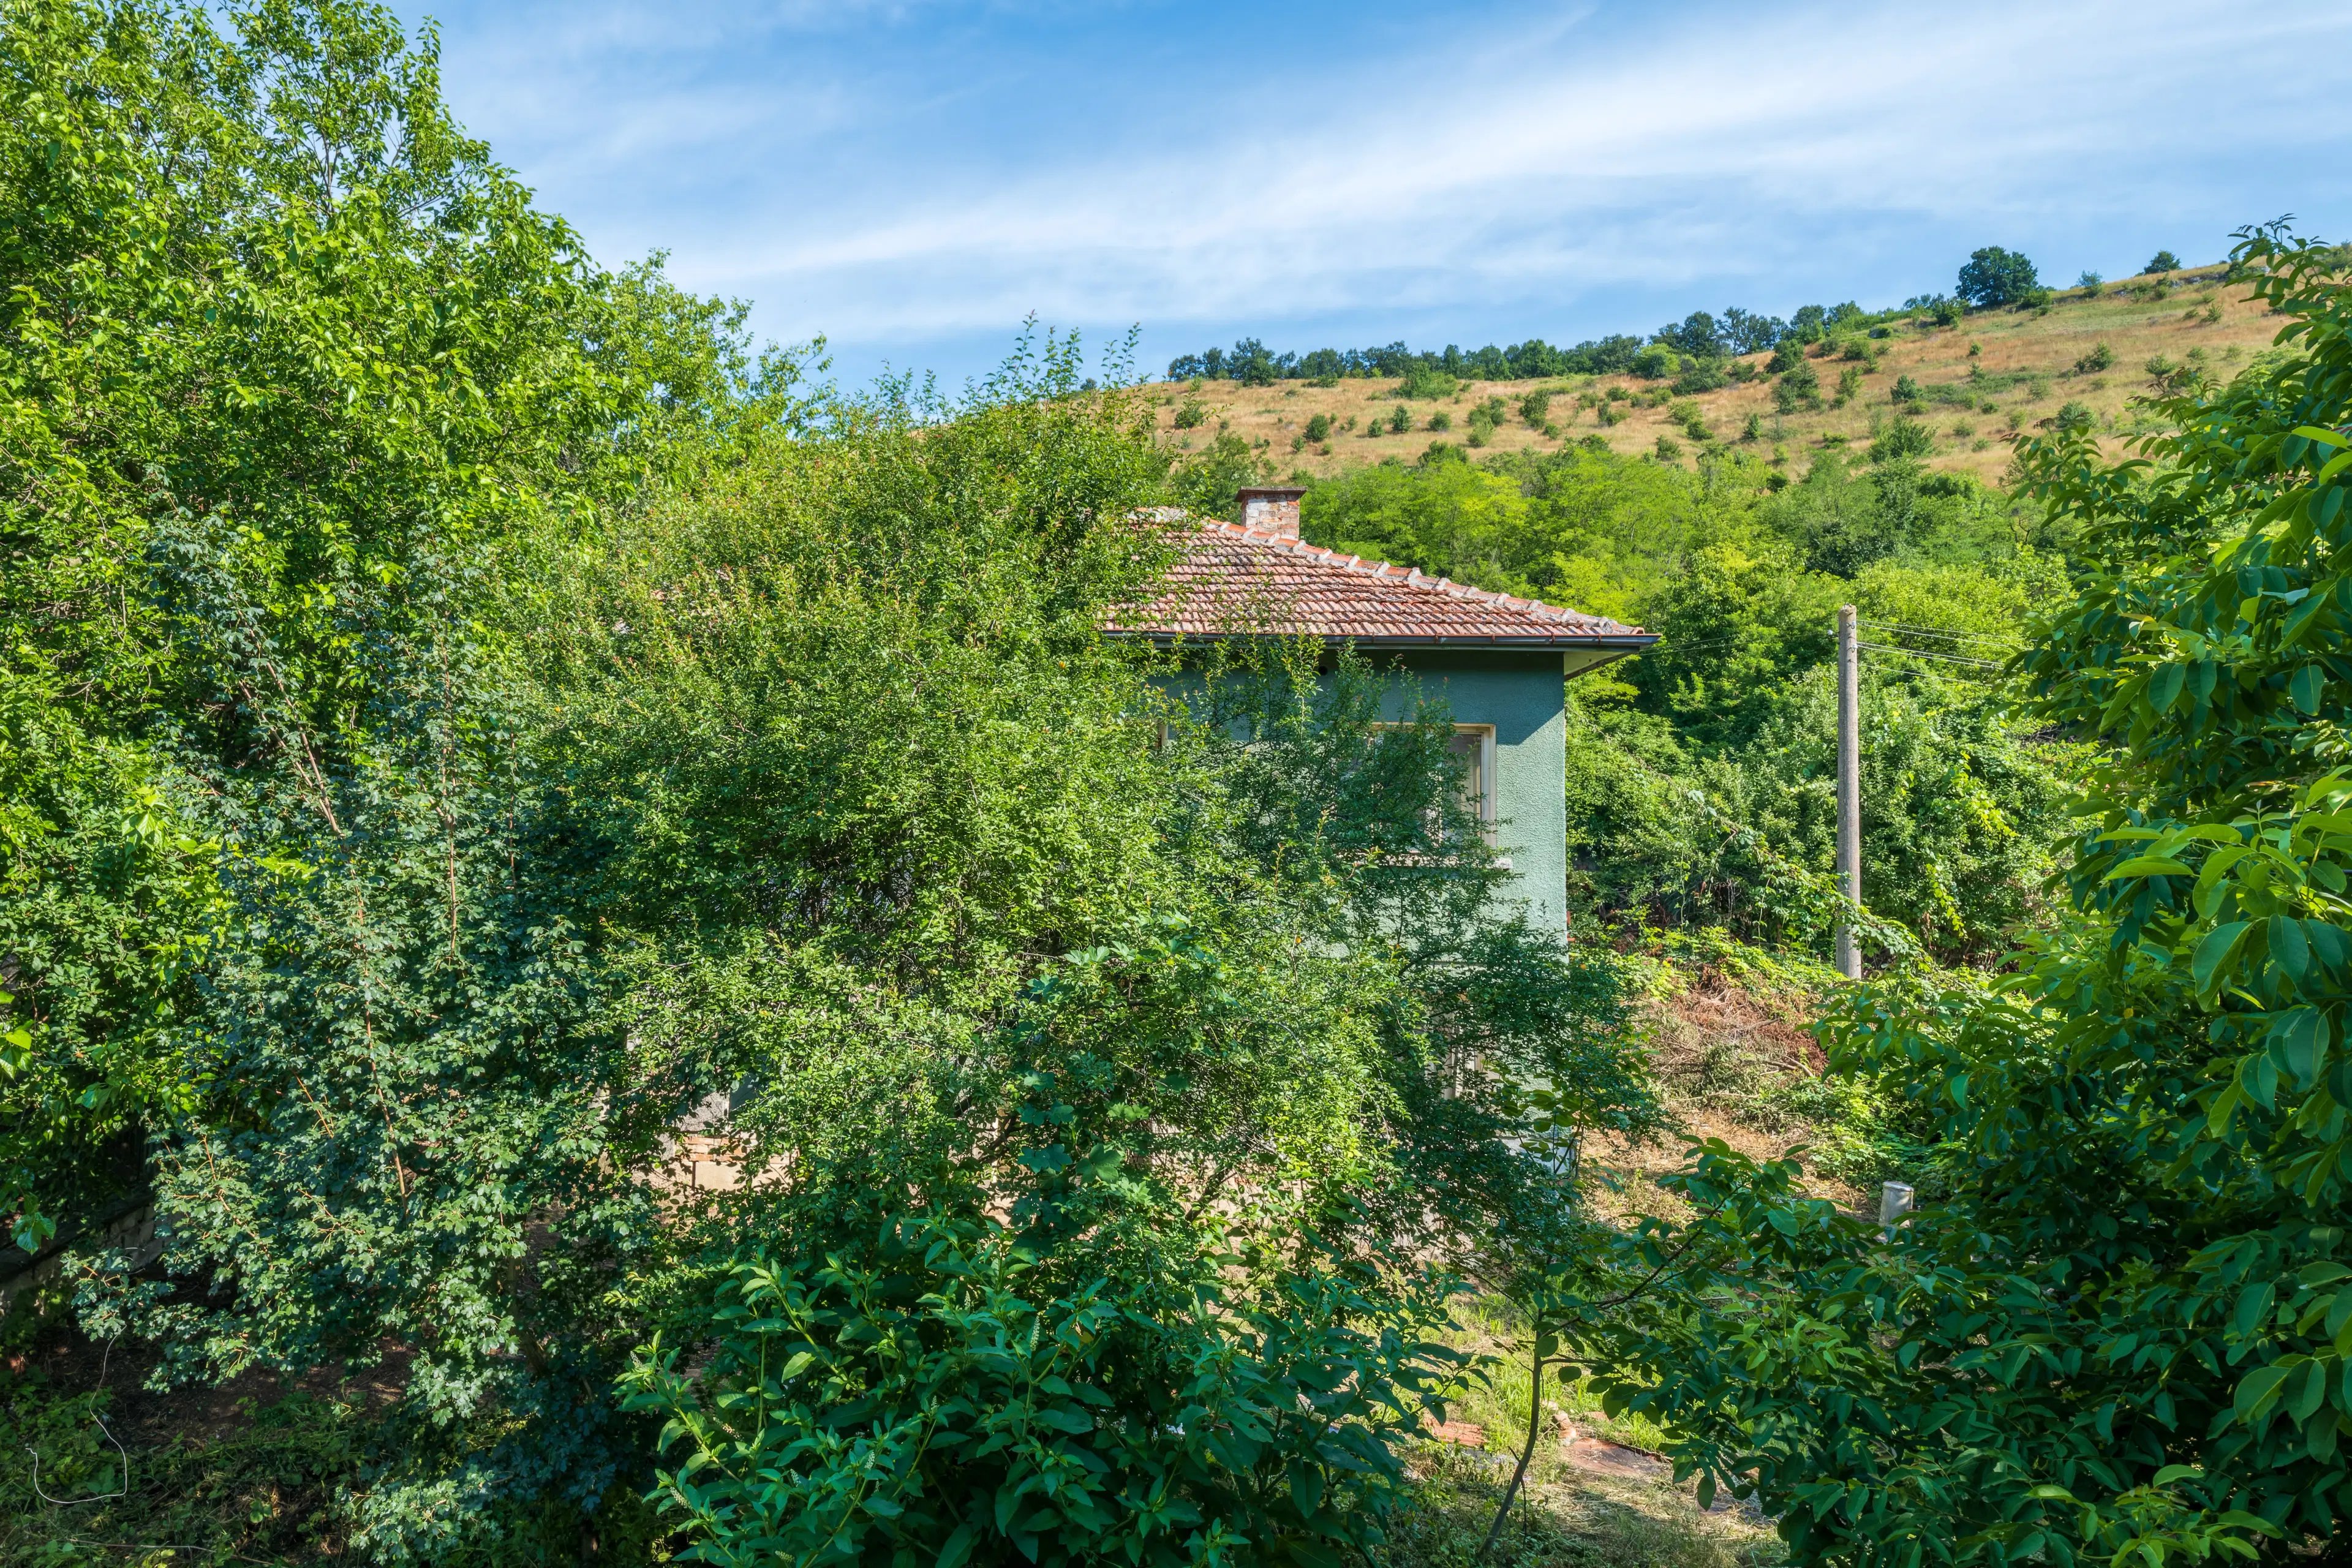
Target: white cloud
pixel 886 193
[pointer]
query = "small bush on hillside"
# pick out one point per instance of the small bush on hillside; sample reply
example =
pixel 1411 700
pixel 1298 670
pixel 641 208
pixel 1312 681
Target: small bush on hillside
pixel 1849 382
pixel 1906 390
pixel 2162 262
pixel 1947 313
pixel 1318 429
pixel 1668 450
pixel 1191 415
pixel 2074 416
pixel 1800 388
pixel 1788 353
pixel 1753 430
pixel 1619 394
pixel 1656 362
pixel 1701 376
pixel 2089 282
pixel 1426 381
pixel 1534 408
pixel 1402 420
pixel 2100 357
pixel 1441 420
pixel 1901 438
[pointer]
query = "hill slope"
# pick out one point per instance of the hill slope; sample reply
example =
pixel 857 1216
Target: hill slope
pixel 2021 373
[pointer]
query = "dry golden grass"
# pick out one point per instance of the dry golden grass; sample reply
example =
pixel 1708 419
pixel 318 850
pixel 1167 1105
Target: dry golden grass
pixel 2135 327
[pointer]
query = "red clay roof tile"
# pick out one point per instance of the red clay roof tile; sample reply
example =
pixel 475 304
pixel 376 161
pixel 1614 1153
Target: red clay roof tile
pixel 1232 580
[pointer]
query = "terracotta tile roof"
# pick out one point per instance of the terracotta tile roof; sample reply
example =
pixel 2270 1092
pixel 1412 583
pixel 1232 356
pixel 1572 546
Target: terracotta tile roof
pixel 1232 580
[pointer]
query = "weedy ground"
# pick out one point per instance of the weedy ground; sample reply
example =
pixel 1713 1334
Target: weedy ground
pixel 1727 1027
pixel 2025 367
pixel 1570 1511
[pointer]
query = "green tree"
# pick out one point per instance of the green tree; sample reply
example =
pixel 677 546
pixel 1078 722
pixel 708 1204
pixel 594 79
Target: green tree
pixel 233 426
pixel 1993 276
pixel 2161 262
pixel 2021 1372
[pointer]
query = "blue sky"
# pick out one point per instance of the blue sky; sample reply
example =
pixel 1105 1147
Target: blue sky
pixel 912 179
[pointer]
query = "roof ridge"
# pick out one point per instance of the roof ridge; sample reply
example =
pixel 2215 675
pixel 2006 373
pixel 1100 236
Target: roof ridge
pixel 1414 576
pixel 1381 572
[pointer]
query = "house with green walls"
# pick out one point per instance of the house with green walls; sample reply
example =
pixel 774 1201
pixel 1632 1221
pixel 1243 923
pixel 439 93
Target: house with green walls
pixel 1501 663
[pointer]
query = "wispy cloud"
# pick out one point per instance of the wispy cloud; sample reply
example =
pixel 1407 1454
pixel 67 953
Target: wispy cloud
pixel 901 177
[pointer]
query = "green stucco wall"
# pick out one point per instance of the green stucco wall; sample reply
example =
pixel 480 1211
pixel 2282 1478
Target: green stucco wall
pixel 1522 696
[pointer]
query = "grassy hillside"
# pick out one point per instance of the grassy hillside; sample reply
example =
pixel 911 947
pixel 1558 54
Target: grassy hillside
pixel 1987 376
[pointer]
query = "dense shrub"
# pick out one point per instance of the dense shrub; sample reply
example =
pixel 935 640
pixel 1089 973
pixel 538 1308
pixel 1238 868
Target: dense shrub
pixel 1902 438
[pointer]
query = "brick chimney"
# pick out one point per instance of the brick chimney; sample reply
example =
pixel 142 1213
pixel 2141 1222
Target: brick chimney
pixel 1272 508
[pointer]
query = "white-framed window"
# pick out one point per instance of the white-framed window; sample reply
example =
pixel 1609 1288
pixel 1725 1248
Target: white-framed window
pixel 1473 744
pixel 1474 750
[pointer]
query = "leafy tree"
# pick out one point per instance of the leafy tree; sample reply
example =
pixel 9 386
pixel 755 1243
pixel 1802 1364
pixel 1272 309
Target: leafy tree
pixel 1534 408
pixel 1993 276
pixel 2161 262
pixel 2018 1373
pixel 2089 281
pixel 1800 387
pixel 1746 334
pixel 1209 483
pixel 2099 357
pixel 1192 414
pixel 1252 364
pixel 1318 429
pixel 1696 334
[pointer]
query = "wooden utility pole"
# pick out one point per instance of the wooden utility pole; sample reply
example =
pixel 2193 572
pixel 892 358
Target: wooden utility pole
pixel 1849 785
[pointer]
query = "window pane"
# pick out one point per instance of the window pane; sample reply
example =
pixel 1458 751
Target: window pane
pixel 1470 753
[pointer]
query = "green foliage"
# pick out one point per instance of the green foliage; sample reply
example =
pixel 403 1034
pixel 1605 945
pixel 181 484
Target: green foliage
pixel 944 1390
pixel 1992 277
pixel 244 431
pixel 1534 408
pixel 1192 414
pixel 1400 420
pixel 1800 387
pixel 1427 382
pixel 1318 429
pixel 1701 376
pixel 2162 262
pixel 1209 483
pixel 2073 416
pixel 2098 358
pixel 2152 1373
pixel 1901 438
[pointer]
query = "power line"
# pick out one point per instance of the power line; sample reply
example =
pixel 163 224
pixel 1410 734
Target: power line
pixel 1923 653
pixel 1935 632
